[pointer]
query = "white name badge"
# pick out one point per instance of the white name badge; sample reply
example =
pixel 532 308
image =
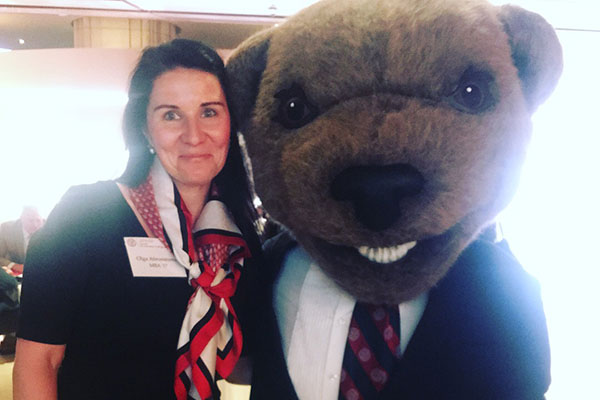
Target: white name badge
pixel 148 257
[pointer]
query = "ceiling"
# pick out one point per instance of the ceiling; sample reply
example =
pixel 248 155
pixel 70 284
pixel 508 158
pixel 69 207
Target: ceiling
pixel 39 24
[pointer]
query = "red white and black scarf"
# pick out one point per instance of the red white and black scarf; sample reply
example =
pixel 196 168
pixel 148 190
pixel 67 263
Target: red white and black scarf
pixel 212 251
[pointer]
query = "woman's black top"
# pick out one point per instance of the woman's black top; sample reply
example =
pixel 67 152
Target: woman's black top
pixel 120 331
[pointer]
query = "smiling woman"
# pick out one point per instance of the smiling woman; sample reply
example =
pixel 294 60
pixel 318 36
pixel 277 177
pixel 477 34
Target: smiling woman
pixel 185 195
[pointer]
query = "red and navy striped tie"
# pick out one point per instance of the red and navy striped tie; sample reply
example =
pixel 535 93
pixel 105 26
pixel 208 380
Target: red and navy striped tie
pixel 372 351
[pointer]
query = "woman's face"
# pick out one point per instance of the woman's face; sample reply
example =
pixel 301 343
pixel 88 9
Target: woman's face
pixel 188 125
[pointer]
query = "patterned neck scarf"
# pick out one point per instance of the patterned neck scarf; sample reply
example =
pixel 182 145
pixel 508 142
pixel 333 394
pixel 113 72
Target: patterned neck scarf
pixel 212 251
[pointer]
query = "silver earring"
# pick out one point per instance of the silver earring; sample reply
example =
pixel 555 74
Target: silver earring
pixel 150 148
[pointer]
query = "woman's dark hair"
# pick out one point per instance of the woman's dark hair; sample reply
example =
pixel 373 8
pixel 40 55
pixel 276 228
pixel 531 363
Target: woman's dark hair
pixel 232 181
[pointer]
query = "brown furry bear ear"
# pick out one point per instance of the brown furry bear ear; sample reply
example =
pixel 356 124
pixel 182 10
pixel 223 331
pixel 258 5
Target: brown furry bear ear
pixel 244 74
pixel 536 52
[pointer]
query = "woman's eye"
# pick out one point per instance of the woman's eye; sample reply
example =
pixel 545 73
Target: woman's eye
pixel 171 116
pixel 208 113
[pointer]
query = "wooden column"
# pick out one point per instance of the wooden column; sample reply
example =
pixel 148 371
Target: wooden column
pixel 101 32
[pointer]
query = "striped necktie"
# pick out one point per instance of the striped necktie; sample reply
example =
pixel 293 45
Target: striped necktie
pixel 372 350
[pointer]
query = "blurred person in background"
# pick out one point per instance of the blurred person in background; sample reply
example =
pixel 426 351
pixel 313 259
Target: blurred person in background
pixel 14 239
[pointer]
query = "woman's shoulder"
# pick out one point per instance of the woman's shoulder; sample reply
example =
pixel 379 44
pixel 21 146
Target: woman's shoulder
pixel 91 194
pixel 87 202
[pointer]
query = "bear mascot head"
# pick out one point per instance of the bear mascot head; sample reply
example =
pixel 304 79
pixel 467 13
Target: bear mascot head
pixel 385 134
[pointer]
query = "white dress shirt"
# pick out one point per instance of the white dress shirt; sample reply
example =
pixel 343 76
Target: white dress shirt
pixel 314 314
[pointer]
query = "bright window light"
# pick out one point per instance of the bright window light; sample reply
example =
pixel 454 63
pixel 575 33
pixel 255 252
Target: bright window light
pixel 58 137
pixel 66 97
pixel 553 222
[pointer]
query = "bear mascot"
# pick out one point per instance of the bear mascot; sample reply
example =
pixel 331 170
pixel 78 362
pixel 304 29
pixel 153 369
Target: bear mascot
pixel 384 136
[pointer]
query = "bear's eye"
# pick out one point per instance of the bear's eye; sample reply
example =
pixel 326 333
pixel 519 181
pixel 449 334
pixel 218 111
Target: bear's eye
pixel 473 94
pixel 294 108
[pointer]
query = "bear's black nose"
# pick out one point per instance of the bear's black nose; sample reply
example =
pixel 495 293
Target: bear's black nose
pixel 376 191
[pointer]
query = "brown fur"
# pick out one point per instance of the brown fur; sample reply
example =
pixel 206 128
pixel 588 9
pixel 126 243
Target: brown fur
pixel 382 74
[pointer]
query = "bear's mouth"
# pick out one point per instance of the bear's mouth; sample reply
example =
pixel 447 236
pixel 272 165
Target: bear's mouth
pixel 385 255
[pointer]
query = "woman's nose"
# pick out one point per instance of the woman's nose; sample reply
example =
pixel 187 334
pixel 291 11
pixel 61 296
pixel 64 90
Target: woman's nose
pixel 194 132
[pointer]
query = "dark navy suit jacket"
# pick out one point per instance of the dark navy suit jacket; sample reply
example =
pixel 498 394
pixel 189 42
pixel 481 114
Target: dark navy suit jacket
pixel 483 334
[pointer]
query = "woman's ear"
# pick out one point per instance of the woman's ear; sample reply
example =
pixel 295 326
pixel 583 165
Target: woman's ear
pixel 244 74
pixel 536 52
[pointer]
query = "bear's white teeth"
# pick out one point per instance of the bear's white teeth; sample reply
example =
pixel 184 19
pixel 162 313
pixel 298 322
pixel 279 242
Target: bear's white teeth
pixel 385 255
